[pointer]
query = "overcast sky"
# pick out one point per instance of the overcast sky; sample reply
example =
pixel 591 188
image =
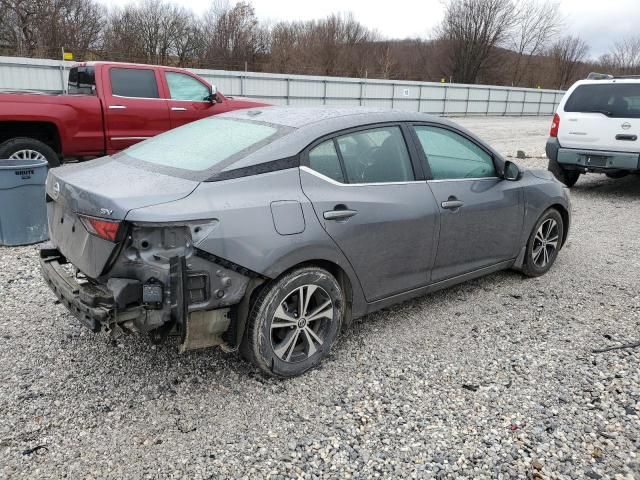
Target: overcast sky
pixel 598 22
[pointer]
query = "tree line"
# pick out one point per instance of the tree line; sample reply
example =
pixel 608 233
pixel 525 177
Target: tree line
pixel 502 42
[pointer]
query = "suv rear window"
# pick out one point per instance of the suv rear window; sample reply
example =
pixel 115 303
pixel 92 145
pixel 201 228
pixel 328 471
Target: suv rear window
pixel 618 100
pixel 205 144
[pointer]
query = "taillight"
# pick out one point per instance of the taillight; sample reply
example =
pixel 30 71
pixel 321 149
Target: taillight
pixel 107 229
pixel 555 126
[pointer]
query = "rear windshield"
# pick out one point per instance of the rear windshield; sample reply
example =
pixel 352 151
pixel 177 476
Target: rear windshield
pixel 82 80
pixel 619 100
pixel 205 145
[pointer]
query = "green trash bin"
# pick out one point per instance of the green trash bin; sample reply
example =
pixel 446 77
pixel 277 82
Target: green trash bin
pixel 23 213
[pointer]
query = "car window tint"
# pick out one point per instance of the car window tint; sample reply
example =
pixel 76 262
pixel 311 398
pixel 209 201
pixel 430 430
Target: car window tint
pixel 618 100
pixel 134 82
pixel 324 159
pixel 203 144
pixel 376 155
pixel 184 87
pixel 450 155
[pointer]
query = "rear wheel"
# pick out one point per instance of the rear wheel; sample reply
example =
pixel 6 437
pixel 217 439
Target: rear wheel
pixel 568 177
pixel 26 148
pixel 544 244
pixel 294 322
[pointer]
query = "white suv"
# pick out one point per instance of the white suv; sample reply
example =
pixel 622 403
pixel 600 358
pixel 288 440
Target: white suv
pixel 596 129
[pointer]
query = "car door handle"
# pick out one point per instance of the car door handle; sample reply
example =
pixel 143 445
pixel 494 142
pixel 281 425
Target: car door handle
pixel 178 109
pixel 117 107
pixel 630 138
pixel 452 204
pixel 339 214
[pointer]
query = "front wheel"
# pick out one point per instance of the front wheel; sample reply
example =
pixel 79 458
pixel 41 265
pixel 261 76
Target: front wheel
pixel 544 244
pixel 568 177
pixel 294 322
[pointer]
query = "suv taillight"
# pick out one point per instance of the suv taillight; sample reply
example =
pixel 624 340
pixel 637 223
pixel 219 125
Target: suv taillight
pixel 555 125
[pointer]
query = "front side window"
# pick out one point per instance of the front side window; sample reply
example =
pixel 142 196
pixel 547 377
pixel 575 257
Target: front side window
pixel 324 159
pixel 375 156
pixel 185 87
pixel 452 156
pixel 617 100
pixel 134 82
pixel 204 144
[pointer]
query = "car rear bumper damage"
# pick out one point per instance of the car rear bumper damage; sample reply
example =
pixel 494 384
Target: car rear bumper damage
pixel 587 160
pixel 123 305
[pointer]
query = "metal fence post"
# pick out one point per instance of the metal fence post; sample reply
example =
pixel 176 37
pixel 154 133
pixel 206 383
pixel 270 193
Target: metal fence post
pixel 393 94
pixel 288 90
pixel 324 92
pixel 466 108
pixel 524 100
pixel 419 97
pixel 488 101
pixel 539 103
pixel 444 102
pixel 506 103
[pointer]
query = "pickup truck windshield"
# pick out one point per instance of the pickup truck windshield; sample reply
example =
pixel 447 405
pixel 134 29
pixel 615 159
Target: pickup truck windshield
pixel 616 100
pixel 205 144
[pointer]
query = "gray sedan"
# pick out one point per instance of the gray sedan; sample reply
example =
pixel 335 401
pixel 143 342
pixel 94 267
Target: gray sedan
pixel 267 230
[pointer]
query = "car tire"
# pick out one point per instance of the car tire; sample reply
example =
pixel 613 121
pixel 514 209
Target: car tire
pixel 544 244
pixel 28 149
pixel 279 340
pixel 568 177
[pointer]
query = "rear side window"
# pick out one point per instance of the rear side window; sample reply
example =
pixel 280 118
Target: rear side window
pixel 375 156
pixel 451 156
pixel 134 82
pixel 617 100
pixel 82 80
pixel 203 144
pixel 324 159
pixel 184 87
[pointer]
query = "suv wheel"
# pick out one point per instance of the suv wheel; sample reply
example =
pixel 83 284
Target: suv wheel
pixel 568 177
pixel 26 148
pixel 294 322
pixel 544 243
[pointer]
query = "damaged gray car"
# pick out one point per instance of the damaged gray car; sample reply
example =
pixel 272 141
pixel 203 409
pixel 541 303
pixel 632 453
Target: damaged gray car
pixel 267 230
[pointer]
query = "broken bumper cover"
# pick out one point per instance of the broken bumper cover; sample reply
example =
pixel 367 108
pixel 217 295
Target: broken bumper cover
pixel 88 304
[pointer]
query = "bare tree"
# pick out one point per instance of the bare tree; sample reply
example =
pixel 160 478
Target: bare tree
pixel 472 29
pixel 625 56
pixel 537 23
pixel 566 55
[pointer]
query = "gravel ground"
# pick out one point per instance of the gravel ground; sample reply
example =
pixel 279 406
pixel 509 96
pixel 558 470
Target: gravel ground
pixel 495 378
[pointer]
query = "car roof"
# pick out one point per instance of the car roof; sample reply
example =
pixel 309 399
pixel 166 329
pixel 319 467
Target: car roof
pixel 298 117
pixel 308 124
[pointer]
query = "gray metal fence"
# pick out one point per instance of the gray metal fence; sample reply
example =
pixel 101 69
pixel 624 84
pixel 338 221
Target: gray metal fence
pixel 446 99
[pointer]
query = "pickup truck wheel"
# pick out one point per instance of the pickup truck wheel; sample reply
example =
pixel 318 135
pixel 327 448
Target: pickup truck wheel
pixel 294 322
pixel 544 244
pixel 25 148
pixel 568 177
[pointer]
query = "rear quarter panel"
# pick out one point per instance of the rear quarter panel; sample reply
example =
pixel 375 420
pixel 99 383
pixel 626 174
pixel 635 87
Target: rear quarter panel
pixel 246 233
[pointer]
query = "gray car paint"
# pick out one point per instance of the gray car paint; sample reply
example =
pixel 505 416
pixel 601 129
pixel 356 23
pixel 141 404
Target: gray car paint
pixel 388 251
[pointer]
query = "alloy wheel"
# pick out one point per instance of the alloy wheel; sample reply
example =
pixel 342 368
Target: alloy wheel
pixel 300 323
pixel 545 243
pixel 27 154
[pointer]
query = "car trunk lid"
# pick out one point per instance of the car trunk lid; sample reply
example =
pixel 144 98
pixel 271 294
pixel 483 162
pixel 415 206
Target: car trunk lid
pixel 107 189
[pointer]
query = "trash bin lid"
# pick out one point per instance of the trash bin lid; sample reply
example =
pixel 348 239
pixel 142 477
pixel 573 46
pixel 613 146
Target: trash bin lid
pixel 12 164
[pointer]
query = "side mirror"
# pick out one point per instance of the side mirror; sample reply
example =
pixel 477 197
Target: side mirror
pixel 213 96
pixel 511 171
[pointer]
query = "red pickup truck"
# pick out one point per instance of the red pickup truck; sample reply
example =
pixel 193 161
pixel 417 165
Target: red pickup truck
pixel 109 106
